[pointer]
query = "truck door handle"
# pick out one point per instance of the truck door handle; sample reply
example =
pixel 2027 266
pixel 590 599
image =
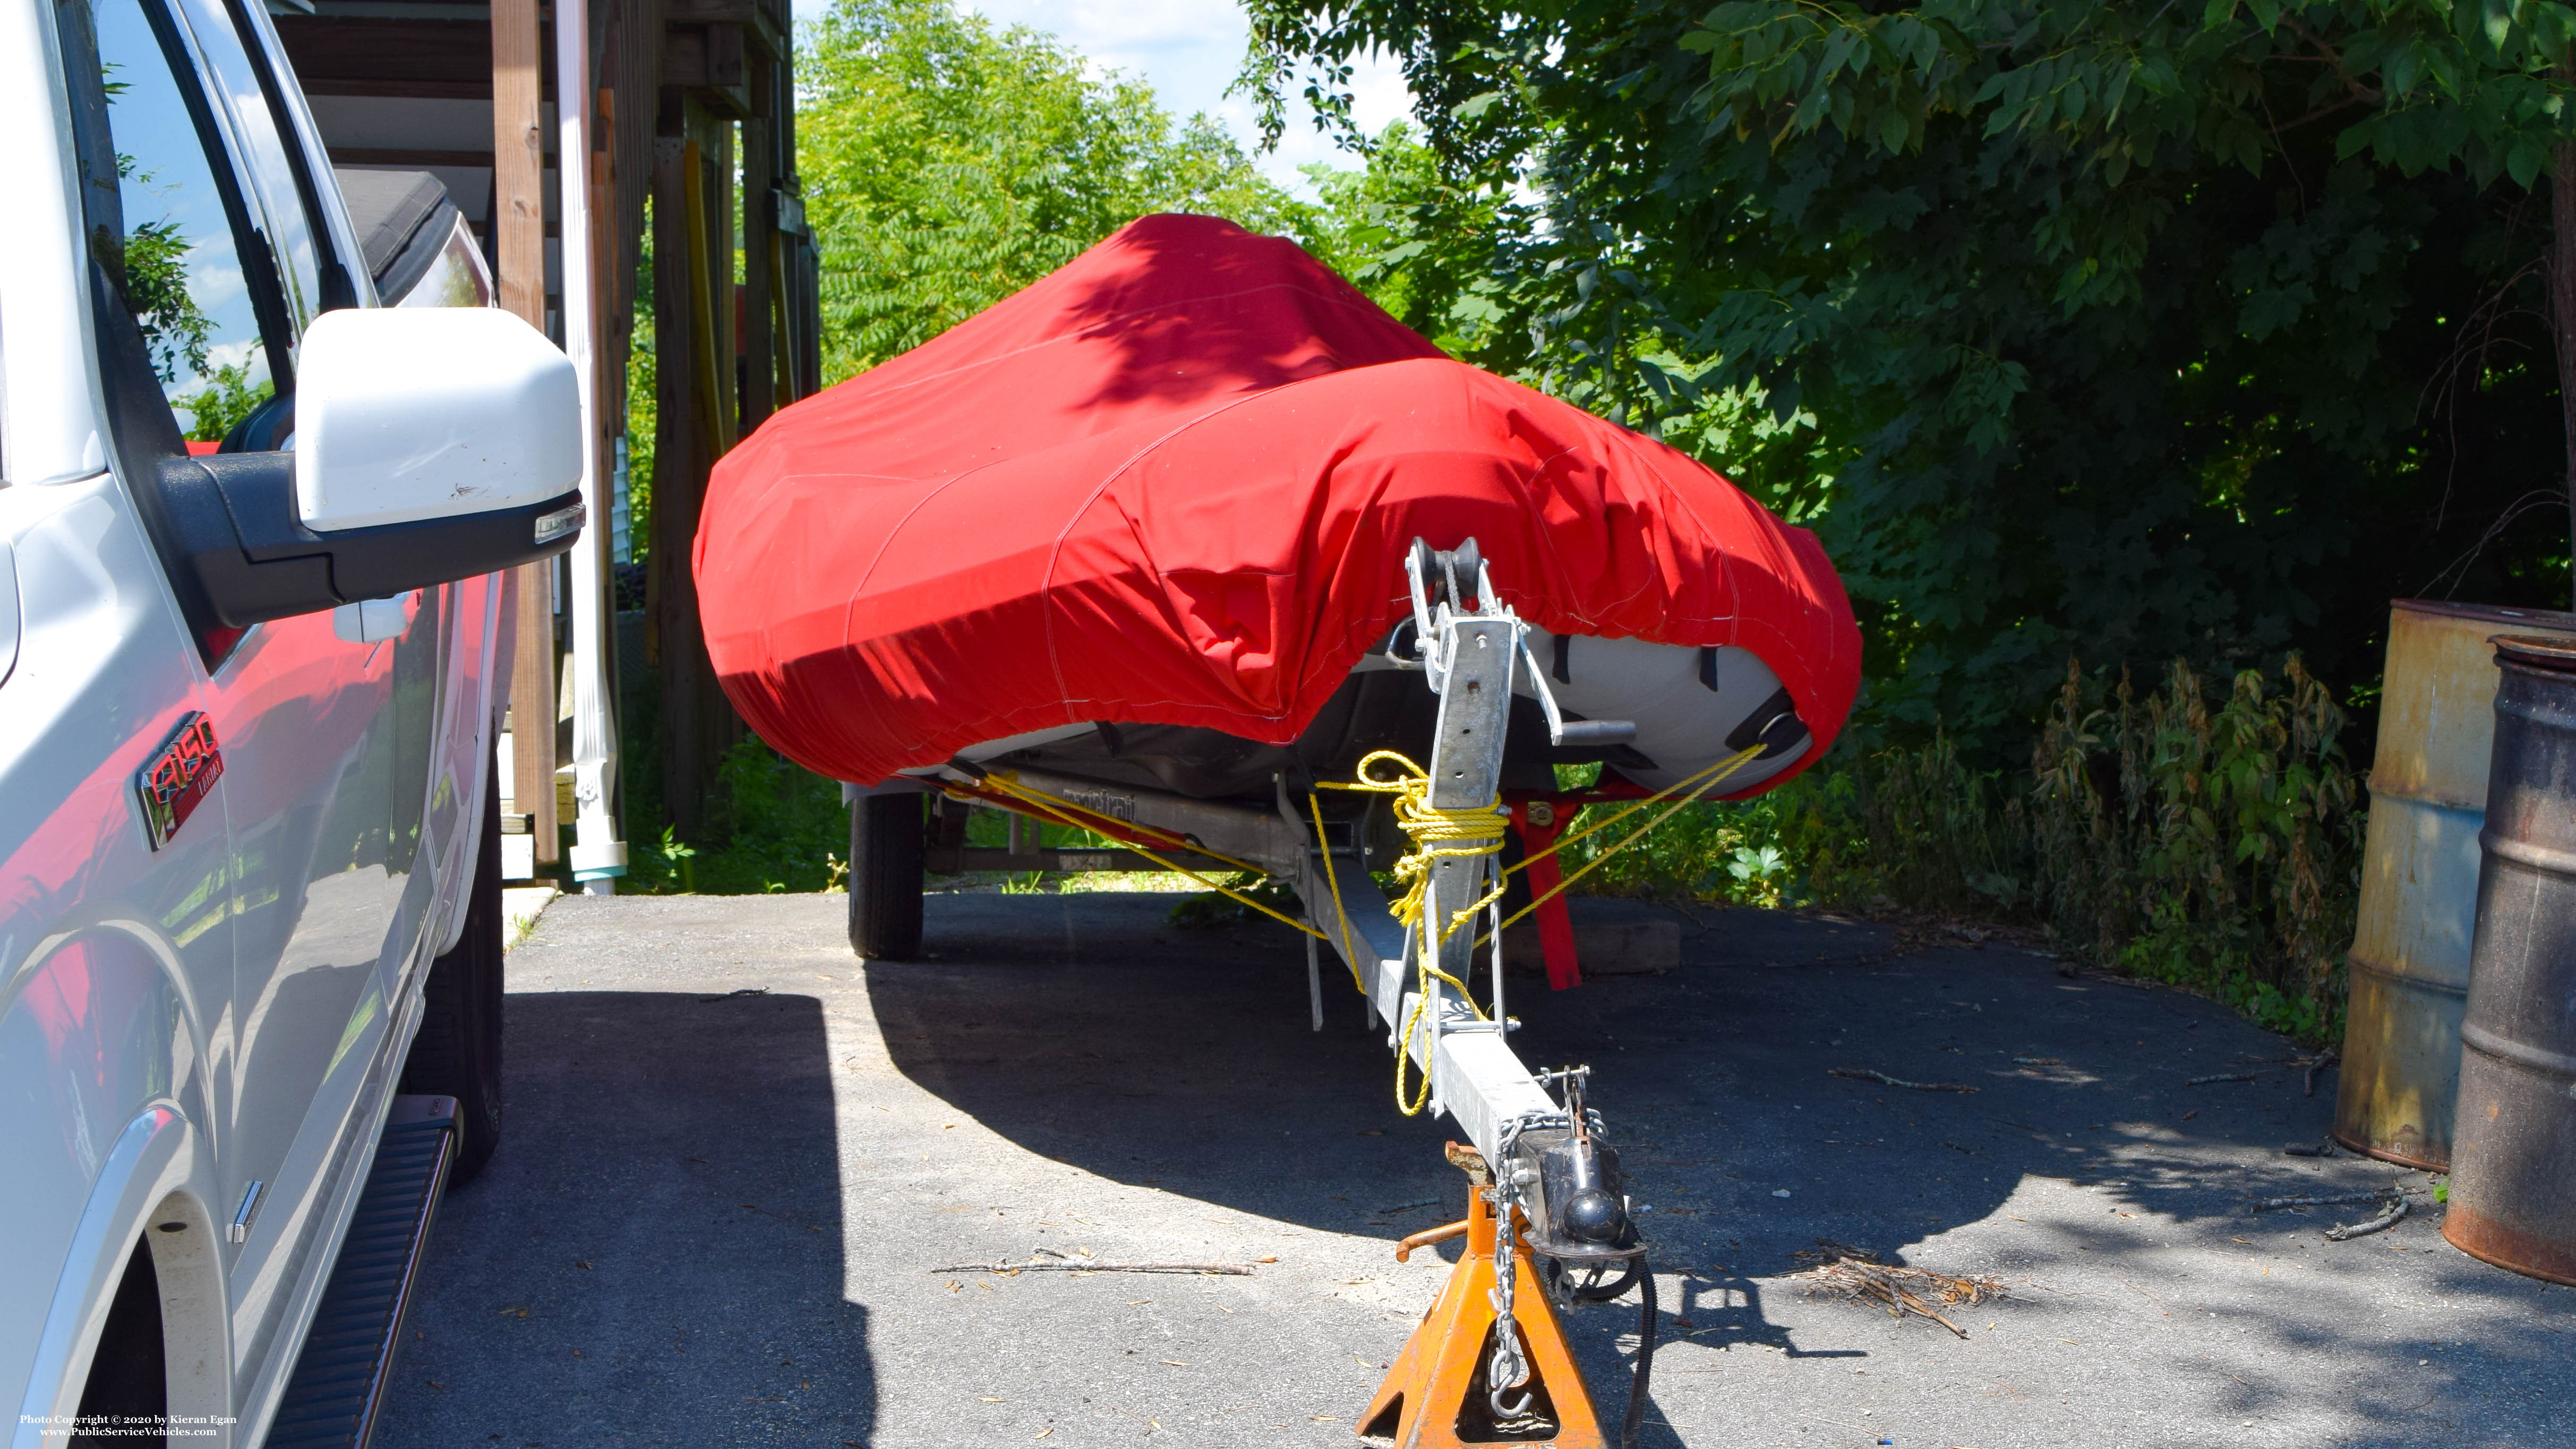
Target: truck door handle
pixel 373 621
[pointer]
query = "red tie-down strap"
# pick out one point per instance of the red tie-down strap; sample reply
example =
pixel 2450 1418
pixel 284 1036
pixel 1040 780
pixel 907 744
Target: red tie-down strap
pixel 1555 926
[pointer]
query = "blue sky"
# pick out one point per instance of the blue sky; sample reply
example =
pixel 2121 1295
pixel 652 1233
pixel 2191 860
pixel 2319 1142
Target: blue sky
pixel 1188 51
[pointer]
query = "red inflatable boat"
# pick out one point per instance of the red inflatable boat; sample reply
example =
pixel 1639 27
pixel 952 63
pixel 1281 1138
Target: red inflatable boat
pixel 1146 521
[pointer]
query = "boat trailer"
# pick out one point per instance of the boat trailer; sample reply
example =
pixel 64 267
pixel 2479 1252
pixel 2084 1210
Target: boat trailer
pixel 1547 1220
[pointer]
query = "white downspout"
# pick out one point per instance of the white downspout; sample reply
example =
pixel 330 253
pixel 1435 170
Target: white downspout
pixel 598 856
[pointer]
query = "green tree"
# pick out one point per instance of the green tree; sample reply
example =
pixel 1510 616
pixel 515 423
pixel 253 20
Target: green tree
pixel 230 398
pixel 948 163
pixel 1420 245
pixel 2139 329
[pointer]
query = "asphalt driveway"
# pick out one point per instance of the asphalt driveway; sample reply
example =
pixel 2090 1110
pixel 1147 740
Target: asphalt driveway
pixel 737 1159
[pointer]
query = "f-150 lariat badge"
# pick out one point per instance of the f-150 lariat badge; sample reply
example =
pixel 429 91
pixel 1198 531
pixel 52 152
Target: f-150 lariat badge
pixel 176 780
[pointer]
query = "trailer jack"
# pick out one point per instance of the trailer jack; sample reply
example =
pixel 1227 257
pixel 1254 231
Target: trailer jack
pixel 1440 1392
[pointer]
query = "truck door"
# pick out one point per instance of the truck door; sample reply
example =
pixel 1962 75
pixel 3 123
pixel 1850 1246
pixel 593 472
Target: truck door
pixel 324 741
pixel 435 739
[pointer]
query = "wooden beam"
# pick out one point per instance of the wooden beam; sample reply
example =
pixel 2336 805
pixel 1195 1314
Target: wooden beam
pixel 755 20
pixel 426 90
pixel 708 61
pixel 382 57
pixel 394 156
pixel 519 218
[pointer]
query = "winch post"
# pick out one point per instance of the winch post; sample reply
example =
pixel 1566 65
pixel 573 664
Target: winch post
pixel 1434 1396
pixel 1474 1076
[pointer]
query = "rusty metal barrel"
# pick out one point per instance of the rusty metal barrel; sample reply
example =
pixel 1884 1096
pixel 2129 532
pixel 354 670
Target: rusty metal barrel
pixel 2513 1158
pixel 2419 884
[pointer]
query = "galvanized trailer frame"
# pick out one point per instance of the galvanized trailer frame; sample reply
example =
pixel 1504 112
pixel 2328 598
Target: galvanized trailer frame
pixel 1471 657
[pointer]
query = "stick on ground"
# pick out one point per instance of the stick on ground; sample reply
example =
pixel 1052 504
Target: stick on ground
pixel 2321 1199
pixel 1864 1074
pixel 2388 1218
pixel 1855 1273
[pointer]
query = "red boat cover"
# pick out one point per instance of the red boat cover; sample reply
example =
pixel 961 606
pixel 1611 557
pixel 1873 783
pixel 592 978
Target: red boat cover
pixel 1174 483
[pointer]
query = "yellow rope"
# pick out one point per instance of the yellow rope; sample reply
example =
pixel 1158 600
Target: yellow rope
pixel 1437 835
pixel 1695 785
pixel 1692 785
pixel 1341 915
pixel 1063 807
pixel 1063 810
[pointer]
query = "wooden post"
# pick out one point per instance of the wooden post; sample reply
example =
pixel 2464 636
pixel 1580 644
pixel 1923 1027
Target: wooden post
pixel 519 233
pixel 759 228
pixel 721 728
pixel 680 458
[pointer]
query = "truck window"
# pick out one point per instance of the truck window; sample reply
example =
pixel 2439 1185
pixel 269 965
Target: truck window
pixel 282 184
pixel 180 237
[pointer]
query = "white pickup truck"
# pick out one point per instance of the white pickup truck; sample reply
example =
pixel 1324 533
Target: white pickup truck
pixel 262 462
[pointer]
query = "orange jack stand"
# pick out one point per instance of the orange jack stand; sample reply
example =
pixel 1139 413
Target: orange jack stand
pixel 1434 1397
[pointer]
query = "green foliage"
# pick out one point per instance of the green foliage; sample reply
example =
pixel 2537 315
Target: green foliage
pixel 156 290
pixel 772 827
pixel 1419 246
pixel 642 401
pixel 1210 910
pixel 2213 848
pixel 2133 329
pixel 232 398
pixel 947 163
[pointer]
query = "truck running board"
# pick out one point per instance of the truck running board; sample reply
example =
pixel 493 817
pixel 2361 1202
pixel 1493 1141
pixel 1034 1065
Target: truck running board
pixel 340 1379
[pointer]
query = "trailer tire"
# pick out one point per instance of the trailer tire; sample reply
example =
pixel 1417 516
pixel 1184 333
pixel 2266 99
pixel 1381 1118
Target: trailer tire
pixel 457 1052
pixel 886 849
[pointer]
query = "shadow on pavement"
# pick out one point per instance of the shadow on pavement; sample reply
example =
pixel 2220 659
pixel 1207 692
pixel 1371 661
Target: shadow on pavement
pixel 655 1254
pixel 1090 1030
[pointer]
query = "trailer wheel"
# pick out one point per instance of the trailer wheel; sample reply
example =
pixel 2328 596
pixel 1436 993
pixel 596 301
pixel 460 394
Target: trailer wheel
pixel 886 846
pixel 457 1052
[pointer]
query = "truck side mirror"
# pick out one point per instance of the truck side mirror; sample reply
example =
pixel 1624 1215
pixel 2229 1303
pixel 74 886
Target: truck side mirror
pixel 431 444
pixel 413 413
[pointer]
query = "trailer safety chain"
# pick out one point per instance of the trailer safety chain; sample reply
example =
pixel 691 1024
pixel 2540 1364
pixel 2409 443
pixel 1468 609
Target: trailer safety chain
pixel 1507 1369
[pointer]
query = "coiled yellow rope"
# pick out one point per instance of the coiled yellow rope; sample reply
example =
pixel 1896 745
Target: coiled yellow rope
pixel 1437 835
pixel 1466 833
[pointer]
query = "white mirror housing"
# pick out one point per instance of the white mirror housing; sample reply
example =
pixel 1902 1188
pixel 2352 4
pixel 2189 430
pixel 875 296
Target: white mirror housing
pixel 405 414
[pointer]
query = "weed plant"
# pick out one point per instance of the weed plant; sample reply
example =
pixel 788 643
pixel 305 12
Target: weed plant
pixel 2211 845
